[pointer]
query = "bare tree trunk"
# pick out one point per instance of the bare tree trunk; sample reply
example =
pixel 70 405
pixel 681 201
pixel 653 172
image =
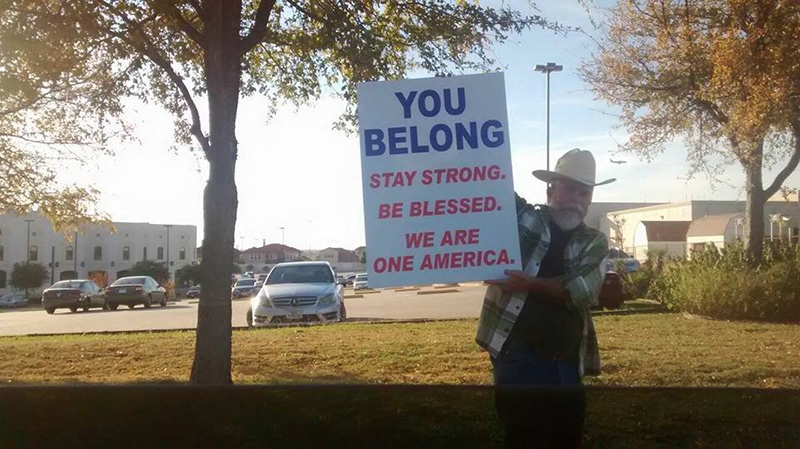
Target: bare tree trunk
pixel 212 359
pixel 754 211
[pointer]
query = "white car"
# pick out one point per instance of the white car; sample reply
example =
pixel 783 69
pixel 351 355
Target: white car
pixel 360 281
pixel 12 300
pixel 298 292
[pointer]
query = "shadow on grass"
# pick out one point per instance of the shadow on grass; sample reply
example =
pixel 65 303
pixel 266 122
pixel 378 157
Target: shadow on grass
pixel 378 416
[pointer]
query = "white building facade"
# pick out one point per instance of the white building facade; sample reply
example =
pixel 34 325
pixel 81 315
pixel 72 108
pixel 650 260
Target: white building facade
pixel 97 253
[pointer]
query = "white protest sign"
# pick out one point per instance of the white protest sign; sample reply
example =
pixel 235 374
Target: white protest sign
pixel 436 170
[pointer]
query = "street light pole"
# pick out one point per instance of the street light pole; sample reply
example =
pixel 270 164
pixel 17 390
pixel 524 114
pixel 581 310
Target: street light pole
pixel 283 235
pixel 168 272
pixel 546 69
pixel 28 258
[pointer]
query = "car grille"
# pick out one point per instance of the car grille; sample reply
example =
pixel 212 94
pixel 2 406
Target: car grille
pixel 290 301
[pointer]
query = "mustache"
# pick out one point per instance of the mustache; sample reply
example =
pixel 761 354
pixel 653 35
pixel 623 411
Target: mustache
pixel 573 207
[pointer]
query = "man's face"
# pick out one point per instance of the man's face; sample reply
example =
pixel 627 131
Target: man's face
pixel 569 201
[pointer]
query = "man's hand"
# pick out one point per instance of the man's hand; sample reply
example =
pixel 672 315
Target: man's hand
pixel 517 281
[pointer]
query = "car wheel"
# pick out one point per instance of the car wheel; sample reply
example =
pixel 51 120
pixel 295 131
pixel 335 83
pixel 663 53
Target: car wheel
pixel 131 306
pixel 73 309
pixel 342 313
pixel 249 317
pixel 87 304
pixel 112 306
pixel 148 302
pixel 50 310
pixel 164 301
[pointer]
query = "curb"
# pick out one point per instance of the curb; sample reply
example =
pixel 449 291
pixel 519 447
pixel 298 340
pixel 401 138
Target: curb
pixel 433 292
pixel 248 328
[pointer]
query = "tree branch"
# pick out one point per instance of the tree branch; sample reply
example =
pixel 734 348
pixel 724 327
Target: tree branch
pixel 170 9
pixel 146 48
pixel 259 28
pixel 790 166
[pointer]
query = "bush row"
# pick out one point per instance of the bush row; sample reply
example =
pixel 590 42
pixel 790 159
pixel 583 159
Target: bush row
pixel 722 283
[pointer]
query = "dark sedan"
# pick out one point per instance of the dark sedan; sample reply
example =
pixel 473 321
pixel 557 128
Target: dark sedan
pixel 134 290
pixel 72 295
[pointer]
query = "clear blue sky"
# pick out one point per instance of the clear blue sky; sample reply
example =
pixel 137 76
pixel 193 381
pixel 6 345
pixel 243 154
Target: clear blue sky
pixel 296 172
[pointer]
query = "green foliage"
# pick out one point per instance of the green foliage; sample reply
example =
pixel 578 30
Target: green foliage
pixel 156 270
pixel 188 275
pixel 637 284
pixel 723 284
pixel 28 275
pixel 363 258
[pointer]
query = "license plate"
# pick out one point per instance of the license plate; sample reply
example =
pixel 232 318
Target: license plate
pixel 295 315
pixel 122 290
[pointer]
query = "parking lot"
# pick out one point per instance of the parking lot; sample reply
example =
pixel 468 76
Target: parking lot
pixel 440 302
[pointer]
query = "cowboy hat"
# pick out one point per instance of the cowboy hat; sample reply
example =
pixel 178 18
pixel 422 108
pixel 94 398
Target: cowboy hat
pixel 575 164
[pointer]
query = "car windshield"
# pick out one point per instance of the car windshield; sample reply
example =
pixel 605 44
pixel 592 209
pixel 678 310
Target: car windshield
pixel 129 281
pixel 361 277
pixel 67 284
pixel 300 274
pixel 245 282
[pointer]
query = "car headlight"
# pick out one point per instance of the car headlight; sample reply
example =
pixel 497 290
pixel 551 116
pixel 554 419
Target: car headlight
pixel 326 300
pixel 264 300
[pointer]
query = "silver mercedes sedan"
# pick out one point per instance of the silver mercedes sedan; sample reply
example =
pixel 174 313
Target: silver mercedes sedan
pixel 298 292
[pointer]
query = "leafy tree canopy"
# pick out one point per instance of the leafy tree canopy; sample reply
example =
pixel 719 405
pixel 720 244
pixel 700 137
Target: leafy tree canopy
pixel 156 270
pixel 723 75
pixel 28 275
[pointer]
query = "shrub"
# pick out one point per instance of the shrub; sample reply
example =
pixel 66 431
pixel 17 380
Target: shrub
pixel 637 284
pixel 723 284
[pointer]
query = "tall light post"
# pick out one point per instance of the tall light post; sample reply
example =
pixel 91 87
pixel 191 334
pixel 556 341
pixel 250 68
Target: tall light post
pixel 546 69
pixel 170 274
pixel 283 235
pixel 28 222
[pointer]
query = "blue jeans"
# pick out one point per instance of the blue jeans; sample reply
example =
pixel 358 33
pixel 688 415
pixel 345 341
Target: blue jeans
pixel 518 365
pixel 533 412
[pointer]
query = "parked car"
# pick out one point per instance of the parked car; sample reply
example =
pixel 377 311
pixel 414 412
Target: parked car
pixel 619 260
pixel 73 295
pixel 360 281
pixel 134 290
pixel 243 288
pixel 298 291
pixel 194 292
pixel 349 279
pixel 262 277
pixel 258 286
pixel 12 300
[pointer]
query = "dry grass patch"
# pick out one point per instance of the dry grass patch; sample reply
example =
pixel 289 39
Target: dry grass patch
pixel 637 350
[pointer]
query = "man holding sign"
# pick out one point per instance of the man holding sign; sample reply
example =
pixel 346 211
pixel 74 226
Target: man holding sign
pixel 536 324
pixel 436 177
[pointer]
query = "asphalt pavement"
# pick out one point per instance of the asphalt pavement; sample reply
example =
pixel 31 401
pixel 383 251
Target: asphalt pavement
pixel 434 303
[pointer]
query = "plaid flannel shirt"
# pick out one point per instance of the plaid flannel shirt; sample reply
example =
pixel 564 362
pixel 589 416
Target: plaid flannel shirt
pixel 583 277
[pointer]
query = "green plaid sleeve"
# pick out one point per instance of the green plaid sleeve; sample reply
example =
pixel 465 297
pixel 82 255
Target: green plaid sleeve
pixel 585 274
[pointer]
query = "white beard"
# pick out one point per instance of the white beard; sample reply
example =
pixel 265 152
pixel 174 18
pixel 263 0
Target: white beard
pixel 566 219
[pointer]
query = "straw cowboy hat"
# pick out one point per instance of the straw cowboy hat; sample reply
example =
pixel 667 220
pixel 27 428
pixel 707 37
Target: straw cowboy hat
pixel 575 164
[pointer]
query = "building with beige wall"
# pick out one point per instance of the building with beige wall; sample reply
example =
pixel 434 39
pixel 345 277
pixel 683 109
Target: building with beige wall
pixel 96 252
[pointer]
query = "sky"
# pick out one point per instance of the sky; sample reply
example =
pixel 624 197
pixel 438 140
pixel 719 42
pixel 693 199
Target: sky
pixel 299 180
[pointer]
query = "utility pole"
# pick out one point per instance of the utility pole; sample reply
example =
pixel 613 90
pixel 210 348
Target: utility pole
pixel 546 69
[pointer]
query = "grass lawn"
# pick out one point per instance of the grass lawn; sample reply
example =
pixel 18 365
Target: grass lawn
pixel 637 350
